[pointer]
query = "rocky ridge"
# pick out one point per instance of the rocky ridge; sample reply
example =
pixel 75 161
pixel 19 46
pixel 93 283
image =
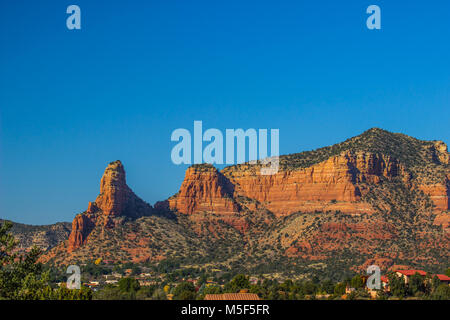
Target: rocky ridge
pixel 380 195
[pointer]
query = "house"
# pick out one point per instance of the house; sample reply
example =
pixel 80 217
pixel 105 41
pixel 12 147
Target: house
pixel 111 281
pixel 406 274
pixel 146 283
pixel 385 283
pixel 443 278
pixel 145 275
pixel 232 296
pixel 93 285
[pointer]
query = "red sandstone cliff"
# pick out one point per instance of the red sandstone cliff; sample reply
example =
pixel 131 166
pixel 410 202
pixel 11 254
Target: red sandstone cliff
pixel 329 185
pixel 336 184
pixel 204 189
pixel 206 194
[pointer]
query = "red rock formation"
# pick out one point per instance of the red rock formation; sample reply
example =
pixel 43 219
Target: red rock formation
pixel 116 199
pixel 82 226
pixel 114 191
pixel 239 196
pixel 206 194
pixel 204 189
pixel 329 185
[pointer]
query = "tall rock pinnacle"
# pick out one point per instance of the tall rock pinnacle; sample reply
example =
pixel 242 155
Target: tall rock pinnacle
pixel 115 200
pixel 114 192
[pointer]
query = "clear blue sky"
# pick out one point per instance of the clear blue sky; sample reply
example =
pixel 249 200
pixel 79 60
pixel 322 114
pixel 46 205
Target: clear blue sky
pixel 72 101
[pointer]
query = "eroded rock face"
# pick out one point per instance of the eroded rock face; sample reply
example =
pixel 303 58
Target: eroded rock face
pixel 204 189
pixel 329 185
pixel 114 192
pixel 207 195
pixel 116 200
pixel 82 226
pixel 439 194
pixel 336 184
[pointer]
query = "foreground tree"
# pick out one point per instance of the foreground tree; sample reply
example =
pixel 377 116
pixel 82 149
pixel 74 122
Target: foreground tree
pixel 416 284
pixel 442 292
pixel 397 285
pixel 22 276
pixel 184 291
pixel 239 282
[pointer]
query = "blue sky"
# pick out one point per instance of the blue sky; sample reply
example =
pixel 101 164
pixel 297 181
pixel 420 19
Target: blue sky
pixel 72 101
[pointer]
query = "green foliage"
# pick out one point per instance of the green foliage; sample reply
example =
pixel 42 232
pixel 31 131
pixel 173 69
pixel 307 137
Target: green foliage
pixel 239 282
pixel 111 293
pixel 381 295
pixel 184 291
pixel 357 282
pixel 7 244
pixel 416 284
pixel 95 270
pixel 22 277
pixel 145 293
pixel 159 294
pixel 435 283
pixel 211 290
pixel 327 286
pixel 442 292
pixel 397 285
pixel 129 285
pixel 62 293
pixel 167 266
pixel 339 289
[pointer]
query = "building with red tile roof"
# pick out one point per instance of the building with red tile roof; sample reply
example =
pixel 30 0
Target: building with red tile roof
pixel 443 278
pixel 232 296
pixel 411 272
pixel 405 274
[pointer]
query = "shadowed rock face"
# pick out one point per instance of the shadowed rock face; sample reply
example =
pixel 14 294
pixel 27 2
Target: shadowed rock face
pixel 82 226
pixel 115 200
pixel 205 189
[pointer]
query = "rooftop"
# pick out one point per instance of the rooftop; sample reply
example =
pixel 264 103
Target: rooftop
pixel 442 277
pixel 411 272
pixel 232 296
